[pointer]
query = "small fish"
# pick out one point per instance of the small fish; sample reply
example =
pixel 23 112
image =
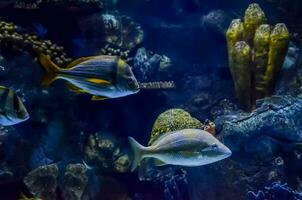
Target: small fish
pixel 187 147
pixel 101 76
pixel 12 110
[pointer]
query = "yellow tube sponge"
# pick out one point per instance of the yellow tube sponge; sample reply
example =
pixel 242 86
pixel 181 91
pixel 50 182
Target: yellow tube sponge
pixel 253 18
pixel 261 50
pixel 278 45
pixel 241 73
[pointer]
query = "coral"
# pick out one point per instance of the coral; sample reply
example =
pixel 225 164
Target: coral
pixel 276 191
pixel 126 34
pixel 12 38
pixel 147 63
pixel 75 181
pixel 104 152
pixel 172 120
pixel 42 181
pixel 117 34
pixel 37 4
pixel 256 54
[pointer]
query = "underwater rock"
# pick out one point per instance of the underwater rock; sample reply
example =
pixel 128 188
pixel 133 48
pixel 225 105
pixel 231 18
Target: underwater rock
pixel 42 181
pixel 274 123
pixel 224 107
pixel 104 152
pixel 276 191
pixel 75 181
pixel 256 55
pixel 172 120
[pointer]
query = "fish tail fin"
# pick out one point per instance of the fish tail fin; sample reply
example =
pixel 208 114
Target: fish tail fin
pixel 137 150
pixel 50 68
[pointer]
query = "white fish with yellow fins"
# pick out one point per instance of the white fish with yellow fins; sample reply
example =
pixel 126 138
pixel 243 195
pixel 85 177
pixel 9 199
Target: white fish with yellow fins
pixel 101 76
pixel 187 147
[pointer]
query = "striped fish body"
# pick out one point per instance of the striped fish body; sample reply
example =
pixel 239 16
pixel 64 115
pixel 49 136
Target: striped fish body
pixel 100 76
pixel 12 110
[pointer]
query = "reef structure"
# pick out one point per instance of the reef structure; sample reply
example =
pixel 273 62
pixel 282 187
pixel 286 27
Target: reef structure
pixel 12 38
pixel 256 52
pixel 72 5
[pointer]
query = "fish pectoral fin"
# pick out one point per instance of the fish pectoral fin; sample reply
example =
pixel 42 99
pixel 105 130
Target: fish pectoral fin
pixel 99 81
pixel 75 89
pixel 158 162
pixel 78 61
pixel 98 98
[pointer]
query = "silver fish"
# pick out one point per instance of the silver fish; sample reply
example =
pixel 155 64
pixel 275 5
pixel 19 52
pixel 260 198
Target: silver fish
pixel 187 147
pixel 101 76
pixel 12 110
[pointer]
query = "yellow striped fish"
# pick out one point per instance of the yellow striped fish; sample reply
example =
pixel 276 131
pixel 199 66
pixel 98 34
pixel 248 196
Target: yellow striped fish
pixel 101 76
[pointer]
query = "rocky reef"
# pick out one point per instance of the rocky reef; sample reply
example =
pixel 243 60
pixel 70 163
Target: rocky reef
pixel 256 55
pixel 275 120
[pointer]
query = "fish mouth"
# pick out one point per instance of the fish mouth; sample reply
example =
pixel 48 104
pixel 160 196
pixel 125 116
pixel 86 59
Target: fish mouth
pixel 226 152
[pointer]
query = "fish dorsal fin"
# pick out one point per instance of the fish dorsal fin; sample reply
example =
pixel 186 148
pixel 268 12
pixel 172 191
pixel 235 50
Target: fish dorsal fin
pixel 79 60
pixel 74 88
pixel 99 81
pixel 98 98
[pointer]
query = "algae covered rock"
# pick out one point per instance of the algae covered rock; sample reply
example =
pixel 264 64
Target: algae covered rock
pixel 42 181
pixel 75 181
pixel 275 123
pixel 172 120
pixel 105 152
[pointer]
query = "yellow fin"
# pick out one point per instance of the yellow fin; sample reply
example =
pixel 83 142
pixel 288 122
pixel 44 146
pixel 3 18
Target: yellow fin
pixel 75 89
pixel 78 61
pixel 98 98
pixel 99 81
pixel 50 68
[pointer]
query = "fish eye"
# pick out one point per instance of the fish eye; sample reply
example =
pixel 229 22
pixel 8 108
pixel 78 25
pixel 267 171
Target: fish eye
pixel 131 84
pixel 214 146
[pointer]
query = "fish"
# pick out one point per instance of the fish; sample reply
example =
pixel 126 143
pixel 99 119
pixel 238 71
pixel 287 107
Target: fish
pixel 12 109
pixel 101 76
pixel 187 147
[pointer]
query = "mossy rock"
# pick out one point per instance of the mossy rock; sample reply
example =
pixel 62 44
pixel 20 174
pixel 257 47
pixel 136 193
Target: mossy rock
pixel 173 120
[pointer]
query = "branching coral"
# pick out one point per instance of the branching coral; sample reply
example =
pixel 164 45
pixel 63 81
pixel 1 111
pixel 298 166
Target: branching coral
pixel 11 38
pixel 256 55
pixel 36 4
